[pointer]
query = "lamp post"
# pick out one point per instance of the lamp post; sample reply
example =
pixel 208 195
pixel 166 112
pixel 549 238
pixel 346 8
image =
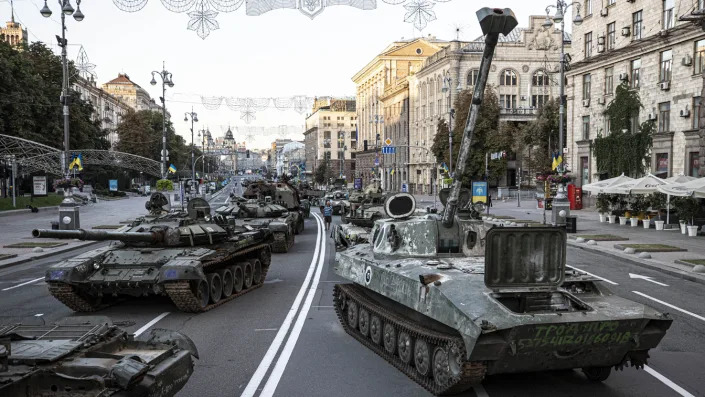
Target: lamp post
pixel 561 8
pixel 194 119
pixel 66 9
pixel 451 112
pixel 166 81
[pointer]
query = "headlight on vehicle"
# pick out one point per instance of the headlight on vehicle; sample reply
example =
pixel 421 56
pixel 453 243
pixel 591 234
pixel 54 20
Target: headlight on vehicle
pixel 96 266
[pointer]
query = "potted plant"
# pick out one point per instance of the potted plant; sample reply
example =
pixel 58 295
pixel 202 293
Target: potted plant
pixel 613 200
pixel 603 206
pixel 657 201
pixel 687 210
pixel 638 205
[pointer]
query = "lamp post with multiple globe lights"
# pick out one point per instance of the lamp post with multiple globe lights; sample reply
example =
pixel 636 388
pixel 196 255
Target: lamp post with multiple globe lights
pixel 166 81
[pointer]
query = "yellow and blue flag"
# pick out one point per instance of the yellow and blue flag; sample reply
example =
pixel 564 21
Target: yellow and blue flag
pixel 172 168
pixel 77 162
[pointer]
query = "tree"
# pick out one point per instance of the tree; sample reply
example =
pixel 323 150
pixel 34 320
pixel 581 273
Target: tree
pixel 540 138
pixel 322 173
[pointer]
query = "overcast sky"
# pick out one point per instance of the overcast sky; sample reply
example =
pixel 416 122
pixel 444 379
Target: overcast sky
pixel 278 54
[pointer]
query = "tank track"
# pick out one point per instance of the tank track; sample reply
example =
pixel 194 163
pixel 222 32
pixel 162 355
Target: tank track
pixel 68 295
pixel 471 373
pixel 281 243
pixel 181 293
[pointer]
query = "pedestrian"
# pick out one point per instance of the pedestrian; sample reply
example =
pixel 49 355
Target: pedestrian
pixel 328 214
pixel 489 200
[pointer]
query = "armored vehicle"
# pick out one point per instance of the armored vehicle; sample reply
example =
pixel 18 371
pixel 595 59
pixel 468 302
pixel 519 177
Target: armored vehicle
pixel 260 214
pixel 198 261
pixel 89 356
pixel 337 201
pixel 281 193
pixel 365 206
pixel 448 301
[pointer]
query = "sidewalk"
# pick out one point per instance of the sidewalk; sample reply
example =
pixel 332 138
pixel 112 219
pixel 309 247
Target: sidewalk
pixel 18 228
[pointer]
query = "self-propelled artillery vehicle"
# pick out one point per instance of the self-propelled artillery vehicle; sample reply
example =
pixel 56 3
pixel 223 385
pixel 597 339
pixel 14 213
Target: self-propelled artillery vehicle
pixel 198 261
pixel 448 300
pixel 91 357
pixel 281 193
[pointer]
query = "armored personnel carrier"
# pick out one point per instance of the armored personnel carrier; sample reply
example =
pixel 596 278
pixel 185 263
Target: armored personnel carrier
pixel 448 301
pixel 198 261
pixel 89 356
pixel 281 193
pixel 260 214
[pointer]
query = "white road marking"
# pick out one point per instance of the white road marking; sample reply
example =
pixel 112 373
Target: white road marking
pixel 590 274
pixel 149 324
pixel 480 391
pixel 667 382
pixel 283 360
pixel 647 278
pixel 670 305
pixel 268 358
pixel 38 314
pixel 23 284
pixel 266 329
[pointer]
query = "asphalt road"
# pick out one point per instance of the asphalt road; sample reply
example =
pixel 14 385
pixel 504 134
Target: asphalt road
pixel 284 339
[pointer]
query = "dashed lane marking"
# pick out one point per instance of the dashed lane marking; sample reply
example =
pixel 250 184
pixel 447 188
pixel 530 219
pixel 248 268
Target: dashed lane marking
pixel 23 284
pixel 701 318
pixel 667 382
pixel 588 273
pixel 149 324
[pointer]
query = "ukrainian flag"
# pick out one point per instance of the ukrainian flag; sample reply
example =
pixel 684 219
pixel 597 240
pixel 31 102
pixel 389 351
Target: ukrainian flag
pixel 76 162
pixel 172 168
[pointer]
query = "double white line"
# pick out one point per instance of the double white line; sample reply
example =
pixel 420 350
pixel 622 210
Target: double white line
pixel 314 271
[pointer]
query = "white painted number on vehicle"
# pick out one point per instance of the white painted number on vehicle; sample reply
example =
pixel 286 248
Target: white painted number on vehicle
pixel 368 275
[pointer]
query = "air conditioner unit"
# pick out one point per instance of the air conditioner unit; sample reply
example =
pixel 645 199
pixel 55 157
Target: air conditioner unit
pixel 523 97
pixel 601 101
pixel 600 40
pixel 652 116
pixel 665 85
pixel 687 60
pixel 586 102
pixel 623 77
pixel 626 31
pixel 600 48
pixel 604 12
pixel 685 112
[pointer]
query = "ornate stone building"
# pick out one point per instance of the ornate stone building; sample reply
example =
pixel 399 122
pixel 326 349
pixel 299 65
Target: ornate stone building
pixel 522 74
pixel 131 93
pixel 13 33
pixel 106 108
pixel 331 136
pixel 644 44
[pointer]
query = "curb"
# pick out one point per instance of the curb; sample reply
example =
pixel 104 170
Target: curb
pixel 47 255
pixel 26 211
pixel 642 263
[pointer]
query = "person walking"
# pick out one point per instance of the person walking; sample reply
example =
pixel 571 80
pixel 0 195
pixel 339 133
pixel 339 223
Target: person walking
pixel 328 214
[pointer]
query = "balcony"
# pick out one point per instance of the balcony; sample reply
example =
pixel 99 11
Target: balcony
pixel 518 114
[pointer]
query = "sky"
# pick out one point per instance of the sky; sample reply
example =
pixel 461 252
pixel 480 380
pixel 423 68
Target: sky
pixel 281 53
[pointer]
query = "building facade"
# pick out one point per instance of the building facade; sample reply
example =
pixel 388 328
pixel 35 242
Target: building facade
pixel 13 33
pixel 523 74
pixel 644 44
pixel 331 136
pixel 108 109
pixel 131 94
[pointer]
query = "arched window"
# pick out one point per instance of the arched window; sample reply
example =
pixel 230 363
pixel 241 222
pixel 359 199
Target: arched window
pixel 439 84
pixel 508 77
pixel 431 88
pixel 423 91
pixel 472 77
pixel 540 78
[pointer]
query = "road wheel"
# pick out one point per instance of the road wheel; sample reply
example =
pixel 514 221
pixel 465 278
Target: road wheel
pixel 597 374
pixel 390 338
pixel 202 293
pixel 364 321
pixel 238 278
pixel 256 272
pixel 226 278
pixel 247 267
pixel 422 357
pixel 215 287
pixel 405 347
pixel 352 314
pixel 441 369
pixel 376 329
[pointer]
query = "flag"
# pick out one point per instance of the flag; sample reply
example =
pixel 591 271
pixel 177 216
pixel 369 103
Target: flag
pixel 392 171
pixel 554 164
pixel 77 162
pixel 172 168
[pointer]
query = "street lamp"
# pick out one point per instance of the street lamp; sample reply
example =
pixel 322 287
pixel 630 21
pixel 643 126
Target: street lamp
pixel 194 119
pixel 66 9
pixel 166 81
pixel 561 8
pixel 446 88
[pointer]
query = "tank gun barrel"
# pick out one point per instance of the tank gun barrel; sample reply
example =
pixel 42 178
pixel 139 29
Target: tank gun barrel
pixel 152 237
pixel 493 22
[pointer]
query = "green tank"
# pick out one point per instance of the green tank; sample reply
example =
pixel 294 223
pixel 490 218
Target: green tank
pixel 448 300
pixel 260 214
pixel 197 260
pixel 90 356
pixel 281 193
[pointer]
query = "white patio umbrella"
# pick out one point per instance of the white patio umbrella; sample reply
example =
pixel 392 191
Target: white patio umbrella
pixel 599 186
pixel 695 188
pixel 644 185
pixel 680 178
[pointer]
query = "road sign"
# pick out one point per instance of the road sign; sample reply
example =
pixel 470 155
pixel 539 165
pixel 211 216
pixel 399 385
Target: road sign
pixel 388 141
pixel 376 160
pixel 405 188
pixel 389 149
pixel 358 183
pixel 479 192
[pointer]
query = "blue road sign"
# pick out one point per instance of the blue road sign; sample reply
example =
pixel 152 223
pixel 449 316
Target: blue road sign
pixel 376 160
pixel 113 185
pixel 479 192
pixel 404 188
pixel 389 149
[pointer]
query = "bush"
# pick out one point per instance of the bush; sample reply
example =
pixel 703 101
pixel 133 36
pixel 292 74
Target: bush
pixel 164 185
pixel 602 203
pixel 688 208
pixel 639 203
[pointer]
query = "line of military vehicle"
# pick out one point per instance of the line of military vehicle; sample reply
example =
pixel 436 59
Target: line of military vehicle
pixel 446 298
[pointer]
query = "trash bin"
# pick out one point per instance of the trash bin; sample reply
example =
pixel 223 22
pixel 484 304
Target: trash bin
pixel 571 224
pixel 54 225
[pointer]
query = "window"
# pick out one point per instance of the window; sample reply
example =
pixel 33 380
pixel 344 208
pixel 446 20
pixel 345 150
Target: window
pixel 608 125
pixel 701 4
pixel 693 164
pixel 588 7
pixel 508 77
pixel 637 23
pixel 586 128
pixel 661 164
pixel 538 101
pixel 507 101
pixel 586 86
pixel 472 77
pixel 611 2
pixel 588 45
pixel 699 56
pixel 584 171
pixel 634 123
pixel 609 81
pixel 611 36
pixel 634 68
pixel 540 78
pixel 696 112
pixel 668 15
pixel 664 116
pixel 666 63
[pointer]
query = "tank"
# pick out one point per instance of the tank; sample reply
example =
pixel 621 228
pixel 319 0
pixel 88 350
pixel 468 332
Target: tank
pixel 281 193
pixel 365 206
pixel 260 214
pixel 448 300
pixel 90 356
pixel 198 261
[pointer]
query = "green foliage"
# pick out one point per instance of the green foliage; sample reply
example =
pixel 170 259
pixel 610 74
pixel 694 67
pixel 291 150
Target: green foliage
pixel 688 208
pixel 540 138
pixel 165 185
pixel 22 202
pixel 624 151
pixel 657 201
pixel 639 203
pixel 322 173
pixel 602 203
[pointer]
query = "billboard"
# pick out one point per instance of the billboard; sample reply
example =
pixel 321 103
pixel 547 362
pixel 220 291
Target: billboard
pixel 479 192
pixel 39 185
pixel 112 183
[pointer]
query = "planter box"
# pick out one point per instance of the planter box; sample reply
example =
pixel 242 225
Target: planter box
pixel 692 231
pixel 659 225
pixel 634 221
pixel 612 218
pixel 683 229
pixel 646 223
pixel 623 220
